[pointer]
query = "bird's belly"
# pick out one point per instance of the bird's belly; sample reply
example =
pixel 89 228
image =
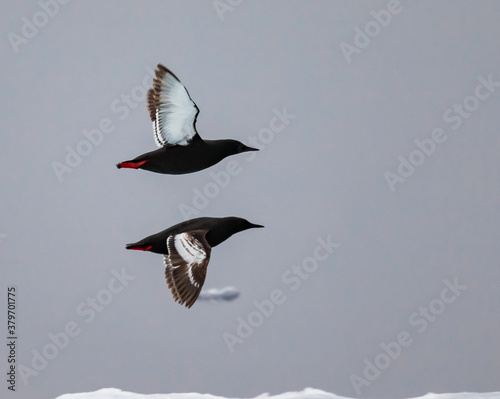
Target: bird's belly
pixel 179 160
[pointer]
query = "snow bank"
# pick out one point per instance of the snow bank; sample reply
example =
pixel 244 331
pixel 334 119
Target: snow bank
pixel 309 393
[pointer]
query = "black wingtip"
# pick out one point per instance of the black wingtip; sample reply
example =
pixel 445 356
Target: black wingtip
pixel 119 166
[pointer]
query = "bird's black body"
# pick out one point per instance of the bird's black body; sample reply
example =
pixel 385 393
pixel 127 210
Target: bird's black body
pixel 186 249
pixel 218 230
pixel 180 159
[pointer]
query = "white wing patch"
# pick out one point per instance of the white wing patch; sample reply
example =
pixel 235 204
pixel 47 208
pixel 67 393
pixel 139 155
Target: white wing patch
pixel 175 112
pixel 186 265
pixel 190 249
pixel 191 278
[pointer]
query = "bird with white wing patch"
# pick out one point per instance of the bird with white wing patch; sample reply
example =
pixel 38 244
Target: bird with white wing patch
pixel 186 249
pixel 174 115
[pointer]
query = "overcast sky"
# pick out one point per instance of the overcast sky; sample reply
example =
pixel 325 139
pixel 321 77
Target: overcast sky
pixel 378 269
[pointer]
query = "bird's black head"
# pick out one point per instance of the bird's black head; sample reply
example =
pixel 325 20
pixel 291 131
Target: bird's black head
pixel 226 227
pixel 235 147
pixel 240 224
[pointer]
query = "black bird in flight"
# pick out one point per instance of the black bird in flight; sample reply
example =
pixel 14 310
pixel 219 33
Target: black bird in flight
pixel 174 114
pixel 186 249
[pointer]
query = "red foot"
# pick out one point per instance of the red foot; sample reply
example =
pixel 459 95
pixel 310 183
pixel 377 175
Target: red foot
pixel 130 165
pixel 139 248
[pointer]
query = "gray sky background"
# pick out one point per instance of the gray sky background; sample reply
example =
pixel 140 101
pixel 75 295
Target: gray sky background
pixel 321 176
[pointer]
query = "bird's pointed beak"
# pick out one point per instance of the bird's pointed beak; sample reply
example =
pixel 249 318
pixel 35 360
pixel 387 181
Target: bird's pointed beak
pixel 245 148
pixel 252 225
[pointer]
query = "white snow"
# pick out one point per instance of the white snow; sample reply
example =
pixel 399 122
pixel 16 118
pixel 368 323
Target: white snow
pixel 308 393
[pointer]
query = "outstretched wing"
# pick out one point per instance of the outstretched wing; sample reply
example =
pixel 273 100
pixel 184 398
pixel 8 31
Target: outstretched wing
pixel 186 265
pixel 171 109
